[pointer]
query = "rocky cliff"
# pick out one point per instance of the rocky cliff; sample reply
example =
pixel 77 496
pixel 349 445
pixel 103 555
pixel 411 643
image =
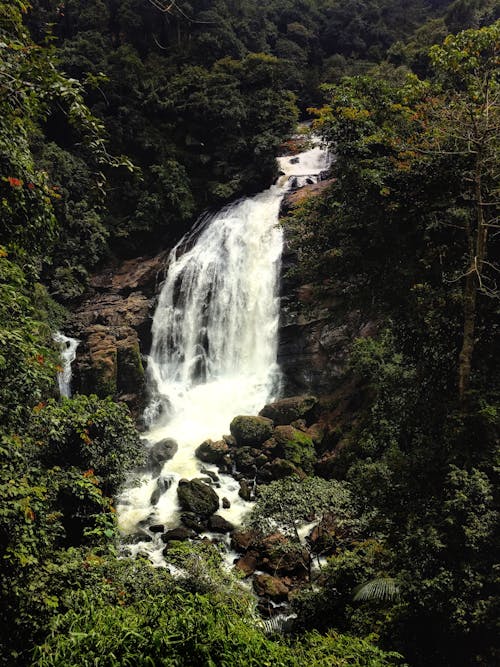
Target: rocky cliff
pixel 114 324
pixel 318 320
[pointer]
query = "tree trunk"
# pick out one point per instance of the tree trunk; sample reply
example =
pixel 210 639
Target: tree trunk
pixel 472 285
pixel 465 357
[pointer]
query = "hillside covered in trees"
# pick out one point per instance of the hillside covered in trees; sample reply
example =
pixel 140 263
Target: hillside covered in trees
pixel 121 122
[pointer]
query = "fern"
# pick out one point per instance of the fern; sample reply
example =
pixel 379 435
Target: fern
pixel 381 588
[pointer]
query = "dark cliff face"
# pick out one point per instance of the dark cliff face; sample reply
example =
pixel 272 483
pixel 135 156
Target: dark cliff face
pixel 318 323
pixel 113 322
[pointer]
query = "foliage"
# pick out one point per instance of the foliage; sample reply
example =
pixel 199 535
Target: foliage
pixel 289 502
pixel 89 433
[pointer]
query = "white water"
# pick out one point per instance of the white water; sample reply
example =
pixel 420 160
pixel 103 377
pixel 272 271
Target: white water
pixel 68 355
pixel 215 341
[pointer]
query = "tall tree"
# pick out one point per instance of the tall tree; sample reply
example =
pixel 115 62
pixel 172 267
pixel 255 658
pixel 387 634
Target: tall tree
pixel 467 123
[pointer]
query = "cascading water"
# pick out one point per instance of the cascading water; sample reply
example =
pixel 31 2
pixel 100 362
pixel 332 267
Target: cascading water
pixel 68 355
pixel 215 340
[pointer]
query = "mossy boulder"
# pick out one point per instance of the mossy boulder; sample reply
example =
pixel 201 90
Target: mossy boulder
pixel 288 410
pixel 251 431
pixel 197 497
pixel 296 447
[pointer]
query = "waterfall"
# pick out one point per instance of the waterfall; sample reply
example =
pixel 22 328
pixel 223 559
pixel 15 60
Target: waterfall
pixel 68 355
pixel 214 346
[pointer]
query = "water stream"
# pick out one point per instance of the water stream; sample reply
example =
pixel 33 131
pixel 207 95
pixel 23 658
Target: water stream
pixel 68 355
pixel 214 344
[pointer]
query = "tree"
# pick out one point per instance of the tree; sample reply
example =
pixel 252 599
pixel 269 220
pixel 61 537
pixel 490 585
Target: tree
pixel 467 123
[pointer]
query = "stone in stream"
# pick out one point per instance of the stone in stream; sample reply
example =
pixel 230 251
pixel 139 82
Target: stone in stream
pixel 162 484
pixel 197 497
pixel 160 452
pixel 157 528
pixel 245 492
pixel 195 522
pixel 225 503
pixel 218 524
pixel 179 534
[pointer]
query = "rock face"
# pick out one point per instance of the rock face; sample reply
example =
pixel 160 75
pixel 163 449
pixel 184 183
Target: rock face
pixel 318 323
pixel 113 321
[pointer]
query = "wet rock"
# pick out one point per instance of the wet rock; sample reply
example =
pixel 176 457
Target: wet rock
pixel 162 485
pixel 218 524
pixel 160 452
pixel 229 440
pixel 197 497
pixel 241 540
pixel 195 522
pixel 265 585
pixel 179 534
pixel 245 491
pixel 212 452
pixel 244 458
pixel 157 528
pixel 247 563
pixel 287 410
pixel 213 477
pixel 249 430
pixel 279 555
pixel 225 503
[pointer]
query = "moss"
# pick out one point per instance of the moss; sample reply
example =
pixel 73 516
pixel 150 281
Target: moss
pixel 296 447
pixel 130 372
pixel 251 430
pixel 104 371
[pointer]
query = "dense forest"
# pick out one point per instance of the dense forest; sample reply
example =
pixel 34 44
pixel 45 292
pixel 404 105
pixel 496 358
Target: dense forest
pixel 121 121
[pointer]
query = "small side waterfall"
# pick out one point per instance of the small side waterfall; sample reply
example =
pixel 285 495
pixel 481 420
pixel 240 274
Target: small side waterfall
pixel 68 355
pixel 215 339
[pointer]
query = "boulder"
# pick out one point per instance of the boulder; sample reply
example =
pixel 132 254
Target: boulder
pixel 225 503
pixel 162 484
pixel 270 587
pixel 159 453
pixel 278 555
pixel 251 430
pixel 287 410
pixel 296 447
pixel 244 458
pixel 156 528
pixel 212 452
pixel 245 491
pixel 278 469
pixel 179 534
pixel 217 524
pixel 197 497
pixel 196 523
pixel 241 540
pixel 247 563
